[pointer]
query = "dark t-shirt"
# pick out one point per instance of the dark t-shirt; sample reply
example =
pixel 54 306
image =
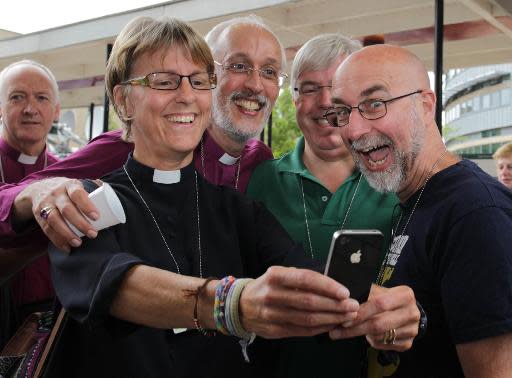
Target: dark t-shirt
pixel 457 257
pixel 238 237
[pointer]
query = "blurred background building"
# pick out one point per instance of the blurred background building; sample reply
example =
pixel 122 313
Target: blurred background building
pixel 478 110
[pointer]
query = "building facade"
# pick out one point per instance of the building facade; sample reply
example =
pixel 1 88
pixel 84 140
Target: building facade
pixel 477 105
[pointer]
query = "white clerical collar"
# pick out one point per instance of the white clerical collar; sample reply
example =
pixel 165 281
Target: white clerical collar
pixel 227 159
pixel 27 159
pixel 166 177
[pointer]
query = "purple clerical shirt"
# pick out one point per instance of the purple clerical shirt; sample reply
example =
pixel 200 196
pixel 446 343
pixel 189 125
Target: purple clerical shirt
pixel 108 152
pixel 33 283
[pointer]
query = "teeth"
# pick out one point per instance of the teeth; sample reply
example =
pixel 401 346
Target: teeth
pixel 247 104
pixel 376 163
pixel 368 149
pixel 322 121
pixel 181 118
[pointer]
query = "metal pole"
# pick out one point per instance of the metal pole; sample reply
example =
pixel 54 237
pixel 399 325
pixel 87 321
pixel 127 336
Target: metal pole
pixel 91 117
pixel 106 102
pixel 438 45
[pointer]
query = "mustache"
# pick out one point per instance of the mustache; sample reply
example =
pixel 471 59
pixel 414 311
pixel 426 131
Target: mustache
pixel 249 95
pixel 370 141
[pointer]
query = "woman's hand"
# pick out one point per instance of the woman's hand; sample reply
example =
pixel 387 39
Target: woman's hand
pixel 389 319
pixel 62 198
pixel 286 302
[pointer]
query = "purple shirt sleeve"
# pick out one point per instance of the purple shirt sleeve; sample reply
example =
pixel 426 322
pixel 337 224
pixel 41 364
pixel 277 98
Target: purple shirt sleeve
pixel 102 155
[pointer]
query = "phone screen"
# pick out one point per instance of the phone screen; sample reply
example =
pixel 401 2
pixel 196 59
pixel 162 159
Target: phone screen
pixel 354 259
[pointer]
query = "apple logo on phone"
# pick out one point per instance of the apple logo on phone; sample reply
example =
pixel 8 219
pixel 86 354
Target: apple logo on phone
pixel 355 258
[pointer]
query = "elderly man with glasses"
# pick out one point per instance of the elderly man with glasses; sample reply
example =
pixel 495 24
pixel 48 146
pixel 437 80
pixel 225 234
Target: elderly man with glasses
pixel 452 238
pixel 314 191
pixel 250 60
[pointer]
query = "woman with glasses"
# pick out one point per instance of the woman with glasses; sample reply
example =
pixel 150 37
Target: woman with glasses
pixel 144 297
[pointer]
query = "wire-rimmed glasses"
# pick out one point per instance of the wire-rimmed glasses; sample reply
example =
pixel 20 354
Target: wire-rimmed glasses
pixel 268 72
pixel 370 109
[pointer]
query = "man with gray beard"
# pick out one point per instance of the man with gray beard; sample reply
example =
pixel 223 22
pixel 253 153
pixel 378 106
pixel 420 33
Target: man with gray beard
pixel 249 61
pixel 452 236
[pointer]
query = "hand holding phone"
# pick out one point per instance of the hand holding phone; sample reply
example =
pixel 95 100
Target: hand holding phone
pixel 354 259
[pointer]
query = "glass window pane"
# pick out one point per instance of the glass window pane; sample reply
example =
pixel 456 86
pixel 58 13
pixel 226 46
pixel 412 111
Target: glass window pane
pixel 476 104
pixel 495 99
pixel 505 96
pixel 486 101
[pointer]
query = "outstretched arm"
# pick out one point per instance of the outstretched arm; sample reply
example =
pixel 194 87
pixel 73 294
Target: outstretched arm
pixel 283 302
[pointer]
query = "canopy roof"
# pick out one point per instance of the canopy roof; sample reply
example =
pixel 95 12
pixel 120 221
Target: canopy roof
pixel 477 32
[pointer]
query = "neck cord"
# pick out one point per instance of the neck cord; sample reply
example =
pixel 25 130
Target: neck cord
pixel 160 231
pixel 2 176
pixel 429 176
pixel 306 213
pixel 239 162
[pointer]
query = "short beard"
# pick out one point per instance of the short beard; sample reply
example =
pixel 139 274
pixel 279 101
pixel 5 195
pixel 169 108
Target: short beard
pixel 221 115
pixel 387 181
pixel 394 177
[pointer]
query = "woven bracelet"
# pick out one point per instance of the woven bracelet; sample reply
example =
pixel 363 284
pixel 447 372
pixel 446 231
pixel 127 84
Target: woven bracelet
pixel 196 294
pixel 219 307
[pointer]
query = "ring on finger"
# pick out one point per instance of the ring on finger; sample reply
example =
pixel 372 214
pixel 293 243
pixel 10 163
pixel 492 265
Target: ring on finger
pixel 389 337
pixel 46 211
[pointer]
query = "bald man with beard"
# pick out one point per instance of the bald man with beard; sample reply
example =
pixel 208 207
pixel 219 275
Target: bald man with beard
pixel 452 232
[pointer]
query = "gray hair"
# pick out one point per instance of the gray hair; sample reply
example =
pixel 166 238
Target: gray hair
pixel 319 53
pixel 212 38
pixel 33 63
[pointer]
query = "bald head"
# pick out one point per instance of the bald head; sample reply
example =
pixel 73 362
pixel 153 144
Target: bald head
pixel 393 67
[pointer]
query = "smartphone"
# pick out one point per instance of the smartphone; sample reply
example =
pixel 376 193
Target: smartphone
pixel 354 260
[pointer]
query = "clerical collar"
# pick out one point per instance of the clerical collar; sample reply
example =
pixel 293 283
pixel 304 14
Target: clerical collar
pixel 27 159
pixel 144 174
pixel 227 159
pixel 166 177
pixel 18 156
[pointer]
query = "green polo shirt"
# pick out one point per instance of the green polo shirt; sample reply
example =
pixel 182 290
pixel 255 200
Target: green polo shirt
pixel 277 183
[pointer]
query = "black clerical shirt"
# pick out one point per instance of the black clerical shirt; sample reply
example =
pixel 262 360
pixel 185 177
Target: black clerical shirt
pixel 239 237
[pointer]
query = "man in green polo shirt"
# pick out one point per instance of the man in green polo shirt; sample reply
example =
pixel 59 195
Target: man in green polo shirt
pixel 315 190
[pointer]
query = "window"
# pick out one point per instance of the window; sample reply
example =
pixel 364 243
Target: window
pixel 486 101
pixel 476 104
pixel 506 96
pixel 495 99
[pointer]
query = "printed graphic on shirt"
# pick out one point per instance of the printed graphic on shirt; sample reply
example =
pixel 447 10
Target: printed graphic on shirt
pixel 385 364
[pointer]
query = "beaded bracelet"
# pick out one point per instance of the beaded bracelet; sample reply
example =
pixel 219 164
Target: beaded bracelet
pixel 196 294
pixel 219 307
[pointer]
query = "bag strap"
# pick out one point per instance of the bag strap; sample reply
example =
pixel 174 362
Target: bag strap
pixel 49 344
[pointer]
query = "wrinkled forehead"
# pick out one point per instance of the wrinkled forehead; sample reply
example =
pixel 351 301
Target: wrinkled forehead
pixel 361 79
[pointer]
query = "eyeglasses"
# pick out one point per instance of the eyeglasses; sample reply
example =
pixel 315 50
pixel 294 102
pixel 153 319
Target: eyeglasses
pixel 370 109
pixel 169 81
pixel 268 73
pixel 310 89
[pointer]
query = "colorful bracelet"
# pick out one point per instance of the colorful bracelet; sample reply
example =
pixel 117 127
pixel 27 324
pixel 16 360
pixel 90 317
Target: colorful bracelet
pixel 219 307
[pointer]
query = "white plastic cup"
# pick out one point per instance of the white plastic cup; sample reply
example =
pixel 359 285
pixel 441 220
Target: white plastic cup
pixel 111 211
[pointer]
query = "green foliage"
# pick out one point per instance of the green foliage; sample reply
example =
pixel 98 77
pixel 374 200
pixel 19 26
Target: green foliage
pixel 284 127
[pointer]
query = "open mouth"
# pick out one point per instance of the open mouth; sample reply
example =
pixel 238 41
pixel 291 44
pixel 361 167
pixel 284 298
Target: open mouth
pixel 376 156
